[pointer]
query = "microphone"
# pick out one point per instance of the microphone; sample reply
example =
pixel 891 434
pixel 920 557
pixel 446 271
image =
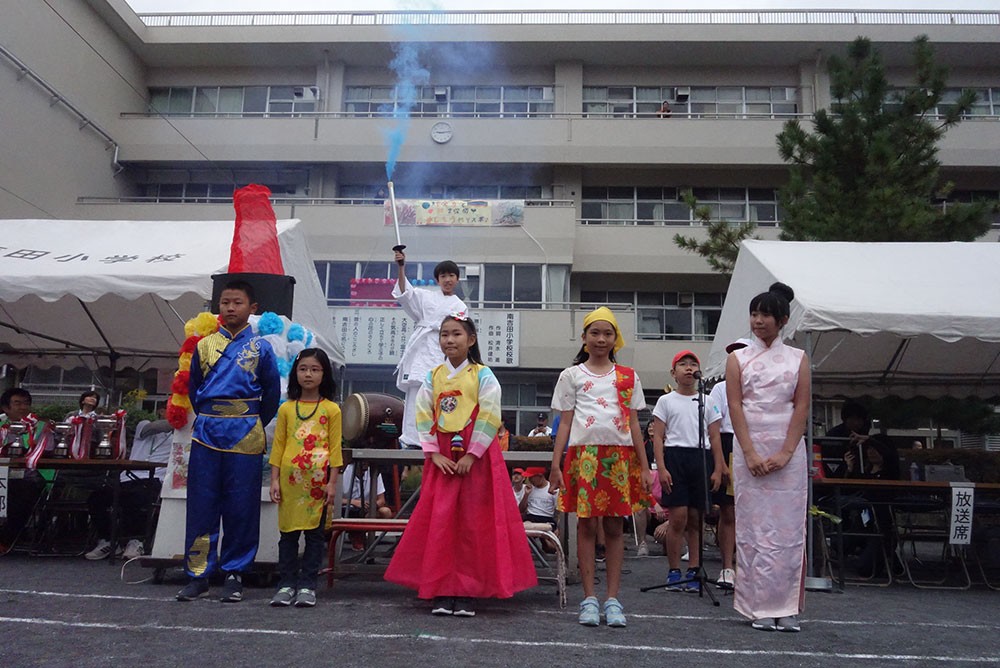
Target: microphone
pixel 697 375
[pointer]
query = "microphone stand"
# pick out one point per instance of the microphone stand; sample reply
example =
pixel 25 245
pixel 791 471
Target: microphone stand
pixel 701 576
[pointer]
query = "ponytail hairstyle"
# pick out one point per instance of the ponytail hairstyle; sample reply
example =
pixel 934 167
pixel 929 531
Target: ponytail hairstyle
pixel 462 318
pixel 327 387
pixel 776 302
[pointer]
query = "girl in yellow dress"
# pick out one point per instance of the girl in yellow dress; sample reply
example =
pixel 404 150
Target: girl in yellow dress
pixel 304 460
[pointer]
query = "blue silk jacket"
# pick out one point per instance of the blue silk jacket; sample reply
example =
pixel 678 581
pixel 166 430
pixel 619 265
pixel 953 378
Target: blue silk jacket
pixel 234 390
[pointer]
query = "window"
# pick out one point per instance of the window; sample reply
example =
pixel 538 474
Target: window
pixel 726 101
pixel 282 100
pixel 667 315
pixel 458 100
pixel 666 205
pixel 377 192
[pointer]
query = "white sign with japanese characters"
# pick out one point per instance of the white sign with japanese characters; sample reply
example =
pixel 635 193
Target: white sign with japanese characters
pixel 963 496
pixel 379 335
pixel 4 473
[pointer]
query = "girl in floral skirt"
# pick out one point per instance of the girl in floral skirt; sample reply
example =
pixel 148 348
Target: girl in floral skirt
pixel 602 478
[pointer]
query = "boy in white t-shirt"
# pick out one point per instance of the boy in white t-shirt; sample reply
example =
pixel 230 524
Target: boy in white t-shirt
pixel 679 466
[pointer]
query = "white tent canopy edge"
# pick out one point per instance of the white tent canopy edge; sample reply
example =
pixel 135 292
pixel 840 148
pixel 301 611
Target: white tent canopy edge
pixel 72 292
pixel 909 319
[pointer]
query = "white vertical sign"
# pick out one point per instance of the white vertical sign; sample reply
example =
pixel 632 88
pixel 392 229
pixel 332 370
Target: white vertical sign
pixel 4 478
pixel 962 504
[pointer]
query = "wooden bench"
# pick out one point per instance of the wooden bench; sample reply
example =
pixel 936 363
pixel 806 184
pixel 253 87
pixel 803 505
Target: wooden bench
pixel 383 526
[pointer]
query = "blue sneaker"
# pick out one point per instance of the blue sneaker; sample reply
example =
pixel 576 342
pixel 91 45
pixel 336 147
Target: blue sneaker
pixel 590 612
pixel 673 577
pixel 694 586
pixel 614 614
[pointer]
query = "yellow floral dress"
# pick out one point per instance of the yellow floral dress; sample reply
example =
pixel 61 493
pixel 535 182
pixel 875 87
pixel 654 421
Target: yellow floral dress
pixel 306 442
pixel 601 472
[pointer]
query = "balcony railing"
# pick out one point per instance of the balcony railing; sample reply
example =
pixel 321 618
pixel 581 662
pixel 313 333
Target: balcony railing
pixel 284 201
pixel 570 17
pixel 677 115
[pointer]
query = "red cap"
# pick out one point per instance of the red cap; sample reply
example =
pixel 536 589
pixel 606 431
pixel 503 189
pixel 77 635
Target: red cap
pixel 534 470
pixel 519 470
pixel 681 355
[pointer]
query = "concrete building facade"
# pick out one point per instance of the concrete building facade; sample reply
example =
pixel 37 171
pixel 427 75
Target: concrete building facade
pixel 109 115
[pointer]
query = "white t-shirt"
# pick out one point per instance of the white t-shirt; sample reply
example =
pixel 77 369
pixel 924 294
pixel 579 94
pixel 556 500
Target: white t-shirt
pixel 593 398
pixel 718 395
pixel 540 502
pixel 352 486
pixel 541 431
pixel 679 412
pixel 519 494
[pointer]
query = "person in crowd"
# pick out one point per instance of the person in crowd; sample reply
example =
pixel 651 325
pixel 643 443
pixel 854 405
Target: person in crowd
pixel 520 489
pixel 881 462
pixel 665 111
pixel 423 350
pixel 89 401
pixel 136 496
pixel 542 428
pixel 356 491
pixel 23 493
pixel 723 497
pixel 643 519
pixel 503 436
pixel 684 468
pixel 465 539
pixel 305 458
pixel 234 389
pixel 767 387
pixel 601 479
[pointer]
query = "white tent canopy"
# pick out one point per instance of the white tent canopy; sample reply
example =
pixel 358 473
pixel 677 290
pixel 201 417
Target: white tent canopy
pixel 77 292
pixel 906 319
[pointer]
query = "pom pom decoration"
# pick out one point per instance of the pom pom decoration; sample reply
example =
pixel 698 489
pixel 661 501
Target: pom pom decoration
pixel 177 416
pixel 284 367
pixel 181 381
pixel 182 400
pixel 205 323
pixel 184 362
pixel 270 323
pixel 190 344
pixel 279 345
pixel 296 332
pixel 294 348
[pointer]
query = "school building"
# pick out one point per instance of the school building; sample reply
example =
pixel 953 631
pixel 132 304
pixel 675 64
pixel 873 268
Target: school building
pixel 550 120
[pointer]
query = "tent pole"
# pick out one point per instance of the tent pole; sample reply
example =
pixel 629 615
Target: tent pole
pixel 814 582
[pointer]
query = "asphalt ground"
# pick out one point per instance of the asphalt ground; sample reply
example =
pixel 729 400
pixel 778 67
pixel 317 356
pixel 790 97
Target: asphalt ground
pixel 74 613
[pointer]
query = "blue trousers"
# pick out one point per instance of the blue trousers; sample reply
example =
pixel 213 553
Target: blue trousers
pixel 226 486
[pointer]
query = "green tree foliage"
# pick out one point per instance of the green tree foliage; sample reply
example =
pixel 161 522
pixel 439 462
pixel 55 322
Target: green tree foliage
pixel 721 244
pixel 869 170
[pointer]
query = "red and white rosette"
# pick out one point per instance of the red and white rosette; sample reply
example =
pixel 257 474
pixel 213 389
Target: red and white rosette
pixel 118 444
pixel 82 426
pixel 38 437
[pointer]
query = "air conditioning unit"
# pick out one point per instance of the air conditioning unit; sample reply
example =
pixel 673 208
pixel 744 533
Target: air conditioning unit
pixel 683 93
pixel 685 299
pixel 441 93
pixel 306 93
pixel 467 270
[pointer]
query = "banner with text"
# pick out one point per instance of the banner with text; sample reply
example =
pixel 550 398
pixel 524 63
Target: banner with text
pixel 379 335
pixel 457 212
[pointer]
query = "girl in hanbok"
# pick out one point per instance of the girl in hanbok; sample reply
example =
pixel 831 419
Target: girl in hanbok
pixel 304 461
pixel 767 387
pixel 603 478
pixel 465 539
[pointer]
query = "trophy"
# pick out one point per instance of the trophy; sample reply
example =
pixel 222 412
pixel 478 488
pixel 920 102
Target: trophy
pixel 15 445
pixel 105 426
pixel 63 433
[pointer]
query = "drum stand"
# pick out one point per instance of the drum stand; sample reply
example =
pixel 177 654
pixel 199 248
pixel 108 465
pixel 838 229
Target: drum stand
pixel 701 577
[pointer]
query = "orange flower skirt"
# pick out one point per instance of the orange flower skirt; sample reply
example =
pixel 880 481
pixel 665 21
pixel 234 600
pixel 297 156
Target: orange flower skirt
pixel 602 481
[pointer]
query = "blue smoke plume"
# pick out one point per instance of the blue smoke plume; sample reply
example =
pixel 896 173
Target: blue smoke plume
pixel 411 75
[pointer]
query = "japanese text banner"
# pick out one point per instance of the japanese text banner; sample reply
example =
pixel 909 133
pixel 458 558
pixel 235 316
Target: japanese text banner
pixel 457 213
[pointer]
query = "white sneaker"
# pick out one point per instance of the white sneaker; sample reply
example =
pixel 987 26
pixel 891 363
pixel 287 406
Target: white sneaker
pixel 642 550
pixel 727 578
pixel 686 556
pixel 102 551
pixel 134 549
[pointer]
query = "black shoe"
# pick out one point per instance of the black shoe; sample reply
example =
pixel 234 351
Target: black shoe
pixel 196 588
pixel 599 552
pixel 443 605
pixel 232 589
pixel 464 607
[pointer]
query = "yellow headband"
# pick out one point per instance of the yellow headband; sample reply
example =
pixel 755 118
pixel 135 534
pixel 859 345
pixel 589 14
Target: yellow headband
pixel 605 314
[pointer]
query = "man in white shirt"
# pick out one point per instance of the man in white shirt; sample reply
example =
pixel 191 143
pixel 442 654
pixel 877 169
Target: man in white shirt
pixel 542 428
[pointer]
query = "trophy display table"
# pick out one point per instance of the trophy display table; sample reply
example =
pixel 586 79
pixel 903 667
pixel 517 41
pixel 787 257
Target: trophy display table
pixel 15 468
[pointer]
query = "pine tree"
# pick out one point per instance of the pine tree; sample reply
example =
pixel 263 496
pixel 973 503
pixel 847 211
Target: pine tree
pixel 869 170
pixel 722 241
